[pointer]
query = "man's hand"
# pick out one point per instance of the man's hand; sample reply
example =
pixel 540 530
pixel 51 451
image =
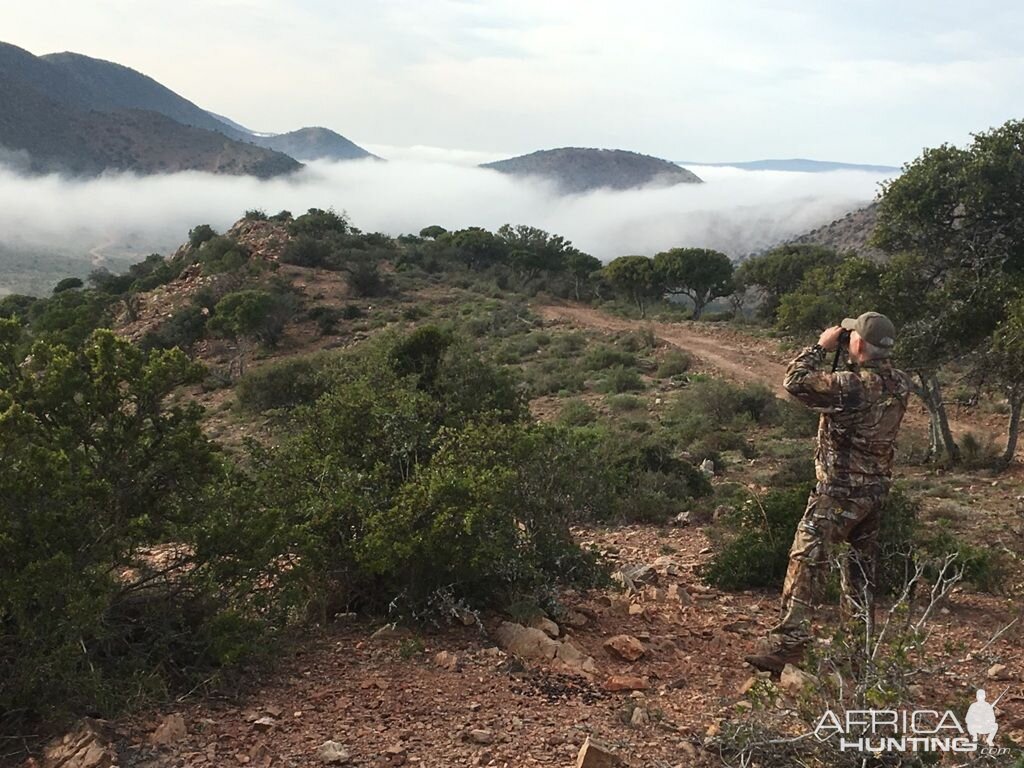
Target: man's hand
pixel 830 338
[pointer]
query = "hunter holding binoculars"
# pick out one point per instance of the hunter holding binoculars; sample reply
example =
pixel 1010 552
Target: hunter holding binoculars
pixel 861 411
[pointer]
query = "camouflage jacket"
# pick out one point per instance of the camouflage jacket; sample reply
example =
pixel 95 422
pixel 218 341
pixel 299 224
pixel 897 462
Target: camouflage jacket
pixel 861 413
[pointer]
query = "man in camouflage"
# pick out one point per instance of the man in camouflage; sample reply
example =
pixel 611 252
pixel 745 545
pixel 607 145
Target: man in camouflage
pixel 861 411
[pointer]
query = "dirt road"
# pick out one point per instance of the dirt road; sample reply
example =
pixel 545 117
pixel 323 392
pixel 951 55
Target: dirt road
pixel 744 357
pixel 738 357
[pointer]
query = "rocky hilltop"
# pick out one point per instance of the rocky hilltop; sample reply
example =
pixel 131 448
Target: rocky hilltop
pixel 576 169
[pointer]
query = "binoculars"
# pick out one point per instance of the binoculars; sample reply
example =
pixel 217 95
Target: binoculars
pixel 844 343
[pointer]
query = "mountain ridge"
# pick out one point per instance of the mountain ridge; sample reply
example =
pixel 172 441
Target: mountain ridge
pixel 584 169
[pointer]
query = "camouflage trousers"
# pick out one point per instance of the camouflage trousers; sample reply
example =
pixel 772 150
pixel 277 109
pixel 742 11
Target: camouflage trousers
pixel 829 521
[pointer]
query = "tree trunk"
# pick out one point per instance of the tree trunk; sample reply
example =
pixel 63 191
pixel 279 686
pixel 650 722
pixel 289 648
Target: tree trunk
pixel 1013 430
pixel 937 412
pixel 576 286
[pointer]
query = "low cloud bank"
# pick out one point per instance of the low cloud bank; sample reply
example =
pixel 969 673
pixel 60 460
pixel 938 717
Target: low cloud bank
pixel 736 211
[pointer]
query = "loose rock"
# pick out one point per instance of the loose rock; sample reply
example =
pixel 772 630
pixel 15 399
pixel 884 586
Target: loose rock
pixel 333 753
pixel 794 679
pixel 87 746
pixel 593 754
pixel 625 647
pixel 170 730
pixel 626 683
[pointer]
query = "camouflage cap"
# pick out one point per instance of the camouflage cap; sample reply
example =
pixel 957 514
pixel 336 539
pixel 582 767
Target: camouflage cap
pixel 874 328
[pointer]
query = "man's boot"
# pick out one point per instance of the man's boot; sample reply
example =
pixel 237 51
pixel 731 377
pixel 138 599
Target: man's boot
pixel 778 649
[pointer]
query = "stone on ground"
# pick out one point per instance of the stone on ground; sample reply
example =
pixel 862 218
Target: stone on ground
pixel 593 754
pixel 626 647
pixel 333 753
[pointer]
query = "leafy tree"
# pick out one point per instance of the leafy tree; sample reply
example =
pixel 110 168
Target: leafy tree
pixel 433 232
pixel 532 250
pixel 200 234
pixel 1004 366
pixel 954 212
pixel 68 284
pixel 307 251
pixel 477 248
pixel 700 274
pixel 636 278
pixel 827 294
pixel 581 266
pixel 250 315
pixel 781 271
pixel 16 305
pixel 319 223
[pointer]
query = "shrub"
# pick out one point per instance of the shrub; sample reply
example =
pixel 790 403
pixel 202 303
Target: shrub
pixel 252 313
pixel 755 550
pixel 984 568
pixel 710 405
pixel 601 357
pixel 201 234
pixel 635 476
pixel 758 552
pixel 326 318
pixel 284 384
pixel 414 474
pixel 255 214
pixel 619 380
pixel 576 413
pixel 674 363
pixel 319 224
pixel 221 254
pixel 307 251
pixel 100 473
pixel 68 284
pixel 979 451
pixel 366 280
pixel 184 328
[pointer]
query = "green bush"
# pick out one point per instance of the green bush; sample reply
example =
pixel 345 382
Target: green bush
pixel 221 254
pixel 711 405
pixel 307 251
pixel 602 357
pixel 112 510
pixel 326 318
pixel 183 329
pixel 414 475
pixel 285 384
pixel 618 380
pixel 624 403
pixel 252 313
pixel 201 234
pixel 755 541
pixel 674 363
pixel 576 413
pixel 986 569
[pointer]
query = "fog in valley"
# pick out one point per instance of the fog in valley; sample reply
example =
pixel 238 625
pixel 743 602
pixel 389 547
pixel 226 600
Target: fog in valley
pixel 114 216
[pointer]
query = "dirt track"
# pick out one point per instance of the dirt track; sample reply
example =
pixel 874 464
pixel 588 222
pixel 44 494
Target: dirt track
pixel 721 351
pixel 739 356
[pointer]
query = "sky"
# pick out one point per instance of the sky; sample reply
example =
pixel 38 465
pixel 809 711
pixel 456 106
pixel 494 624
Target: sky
pixel 866 81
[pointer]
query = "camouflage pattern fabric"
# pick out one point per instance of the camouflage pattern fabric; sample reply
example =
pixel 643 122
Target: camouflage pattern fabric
pixel 861 412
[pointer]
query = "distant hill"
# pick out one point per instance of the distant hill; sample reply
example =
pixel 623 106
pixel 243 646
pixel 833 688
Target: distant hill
pixel 64 114
pixel 577 169
pixel 105 86
pixel 848 234
pixel 800 164
pixel 313 144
